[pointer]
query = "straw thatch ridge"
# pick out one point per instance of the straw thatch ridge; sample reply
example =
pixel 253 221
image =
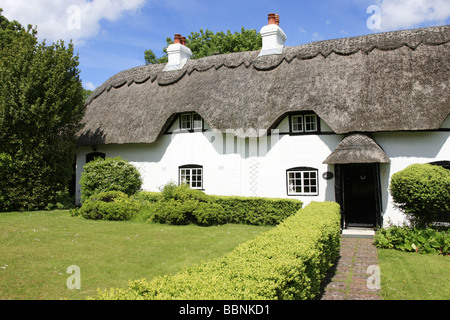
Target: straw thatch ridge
pixel 379 82
pixel 357 148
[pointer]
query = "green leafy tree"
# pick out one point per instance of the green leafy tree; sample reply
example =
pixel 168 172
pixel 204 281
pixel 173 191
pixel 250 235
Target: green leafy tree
pixel 206 43
pixel 41 107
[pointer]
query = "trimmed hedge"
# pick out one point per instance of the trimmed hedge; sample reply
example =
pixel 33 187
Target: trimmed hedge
pixel 257 211
pixel 287 262
pixel 244 210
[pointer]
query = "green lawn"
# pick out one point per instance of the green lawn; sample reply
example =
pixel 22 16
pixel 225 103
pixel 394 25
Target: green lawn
pixel 414 276
pixel 36 248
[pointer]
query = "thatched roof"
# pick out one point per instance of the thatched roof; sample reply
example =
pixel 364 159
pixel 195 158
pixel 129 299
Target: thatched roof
pixel 380 82
pixel 357 148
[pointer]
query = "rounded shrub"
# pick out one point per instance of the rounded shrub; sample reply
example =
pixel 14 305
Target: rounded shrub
pixel 110 174
pixel 422 191
pixel 208 214
pixel 110 205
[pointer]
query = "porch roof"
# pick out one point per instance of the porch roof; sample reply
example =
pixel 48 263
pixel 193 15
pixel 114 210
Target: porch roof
pixel 357 148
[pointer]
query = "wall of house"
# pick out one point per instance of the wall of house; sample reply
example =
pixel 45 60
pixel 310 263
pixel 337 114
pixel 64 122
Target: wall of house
pixel 231 165
pixel 404 149
pixel 257 166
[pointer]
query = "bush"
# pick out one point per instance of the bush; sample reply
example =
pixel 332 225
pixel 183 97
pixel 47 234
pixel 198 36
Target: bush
pixel 203 209
pixel 110 205
pixel 207 214
pixel 257 211
pixel 287 262
pixel 419 240
pixel 174 211
pixel 182 193
pixel 148 196
pixel 110 174
pixel 422 191
pixel 181 205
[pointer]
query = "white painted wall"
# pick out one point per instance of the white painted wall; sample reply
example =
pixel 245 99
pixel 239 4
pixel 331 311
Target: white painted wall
pixel 257 167
pixel 230 165
pixel 404 149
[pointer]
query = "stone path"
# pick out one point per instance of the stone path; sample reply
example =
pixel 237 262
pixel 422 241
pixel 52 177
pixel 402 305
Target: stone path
pixel 356 275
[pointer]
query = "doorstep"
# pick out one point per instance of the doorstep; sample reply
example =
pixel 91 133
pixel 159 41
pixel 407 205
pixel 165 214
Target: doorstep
pixel 358 233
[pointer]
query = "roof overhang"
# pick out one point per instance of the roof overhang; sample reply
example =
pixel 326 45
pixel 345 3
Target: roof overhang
pixel 357 148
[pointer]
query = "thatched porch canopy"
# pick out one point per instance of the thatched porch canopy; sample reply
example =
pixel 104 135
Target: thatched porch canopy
pixel 357 148
pixel 392 81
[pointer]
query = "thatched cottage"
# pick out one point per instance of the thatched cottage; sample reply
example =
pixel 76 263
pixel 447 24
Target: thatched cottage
pixel 325 121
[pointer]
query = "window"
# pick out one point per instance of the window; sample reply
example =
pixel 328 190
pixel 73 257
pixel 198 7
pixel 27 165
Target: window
pixel 197 121
pixel 304 123
pixel 192 175
pixel 186 121
pixel 94 155
pixel 310 123
pixel 302 181
pixel 297 123
pixel 191 121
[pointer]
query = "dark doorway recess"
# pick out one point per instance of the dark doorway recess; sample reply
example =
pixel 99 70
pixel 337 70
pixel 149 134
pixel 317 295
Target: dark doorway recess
pixel 359 194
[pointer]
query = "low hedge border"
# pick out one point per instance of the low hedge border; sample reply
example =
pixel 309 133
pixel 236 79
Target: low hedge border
pixel 244 210
pixel 287 262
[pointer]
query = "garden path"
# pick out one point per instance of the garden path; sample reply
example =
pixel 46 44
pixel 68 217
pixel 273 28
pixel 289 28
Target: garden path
pixel 356 274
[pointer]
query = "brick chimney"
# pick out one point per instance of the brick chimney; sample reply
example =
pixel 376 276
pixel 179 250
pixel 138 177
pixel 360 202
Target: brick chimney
pixel 178 54
pixel 273 36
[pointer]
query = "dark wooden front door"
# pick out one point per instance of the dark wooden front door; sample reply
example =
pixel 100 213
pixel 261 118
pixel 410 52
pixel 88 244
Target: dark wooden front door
pixel 359 194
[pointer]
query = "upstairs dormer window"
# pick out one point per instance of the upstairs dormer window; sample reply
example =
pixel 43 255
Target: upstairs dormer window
pixel 304 123
pixel 191 121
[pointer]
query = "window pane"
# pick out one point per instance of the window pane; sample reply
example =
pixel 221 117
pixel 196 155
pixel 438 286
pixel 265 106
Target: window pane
pixel 302 182
pixel 186 121
pixel 297 123
pixel 197 121
pixel 192 177
pixel 310 123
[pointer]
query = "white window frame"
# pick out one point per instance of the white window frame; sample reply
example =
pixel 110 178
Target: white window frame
pixel 191 175
pixel 297 126
pixel 296 179
pixel 197 122
pixel 191 121
pixel 301 122
pixel 306 122
pixel 186 121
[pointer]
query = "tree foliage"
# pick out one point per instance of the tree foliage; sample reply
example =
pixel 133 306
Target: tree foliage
pixel 41 107
pixel 206 43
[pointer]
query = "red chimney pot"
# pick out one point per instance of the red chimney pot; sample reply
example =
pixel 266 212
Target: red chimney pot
pixel 183 41
pixel 177 38
pixel 272 18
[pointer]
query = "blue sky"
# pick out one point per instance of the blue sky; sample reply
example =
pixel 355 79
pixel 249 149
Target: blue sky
pixel 111 35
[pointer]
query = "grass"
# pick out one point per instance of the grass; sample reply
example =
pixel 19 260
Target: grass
pixel 38 247
pixel 414 276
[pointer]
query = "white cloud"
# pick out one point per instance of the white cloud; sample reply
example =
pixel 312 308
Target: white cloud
pixel 90 86
pixel 397 14
pixel 74 19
